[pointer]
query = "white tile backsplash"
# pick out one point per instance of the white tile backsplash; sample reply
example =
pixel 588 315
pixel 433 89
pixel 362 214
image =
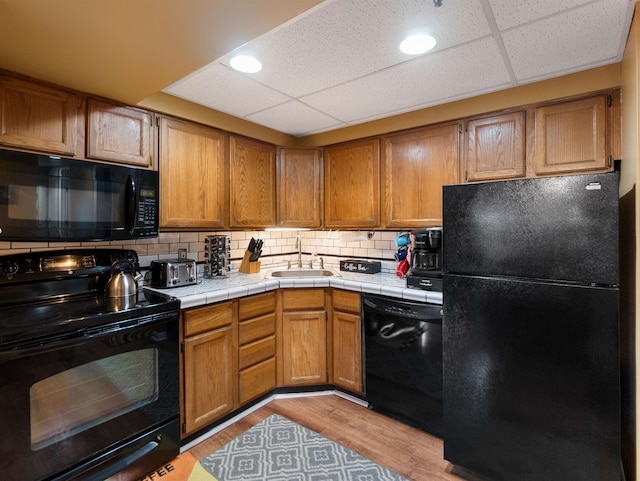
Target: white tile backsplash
pixel 279 246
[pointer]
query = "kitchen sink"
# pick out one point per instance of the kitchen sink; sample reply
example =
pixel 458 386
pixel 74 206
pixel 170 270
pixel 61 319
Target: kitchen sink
pixel 294 273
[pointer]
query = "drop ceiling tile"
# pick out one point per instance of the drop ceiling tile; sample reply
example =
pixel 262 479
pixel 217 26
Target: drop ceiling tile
pixel 295 118
pixel 510 13
pixel 339 63
pixel 220 88
pixel 461 72
pixel 348 39
pixel 575 40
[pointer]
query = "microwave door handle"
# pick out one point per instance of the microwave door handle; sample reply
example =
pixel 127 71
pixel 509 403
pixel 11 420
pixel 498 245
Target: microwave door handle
pixel 130 205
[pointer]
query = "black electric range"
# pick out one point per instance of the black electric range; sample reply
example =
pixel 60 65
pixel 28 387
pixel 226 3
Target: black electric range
pixel 54 293
pixel 89 383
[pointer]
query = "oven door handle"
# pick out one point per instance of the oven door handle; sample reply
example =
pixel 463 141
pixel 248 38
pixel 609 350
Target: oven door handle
pixel 116 465
pixel 130 205
pixel 38 346
pixel 69 339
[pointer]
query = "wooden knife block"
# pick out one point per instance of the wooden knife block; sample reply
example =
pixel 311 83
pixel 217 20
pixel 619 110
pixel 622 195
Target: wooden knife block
pixel 247 267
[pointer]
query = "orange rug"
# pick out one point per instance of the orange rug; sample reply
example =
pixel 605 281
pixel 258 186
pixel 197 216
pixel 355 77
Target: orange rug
pixel 183 468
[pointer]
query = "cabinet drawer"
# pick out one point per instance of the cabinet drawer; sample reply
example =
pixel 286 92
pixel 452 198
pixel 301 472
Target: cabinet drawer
pixel 256 328
pixel 256 305
pixel 257 351
pixel 303 299
pixel 257 380
pixel 204 319
pixel 346 301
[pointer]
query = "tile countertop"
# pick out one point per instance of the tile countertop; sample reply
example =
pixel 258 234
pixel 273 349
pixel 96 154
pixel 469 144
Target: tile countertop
pixel 208 291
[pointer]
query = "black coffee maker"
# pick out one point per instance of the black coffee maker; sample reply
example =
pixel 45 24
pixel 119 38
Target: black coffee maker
pixel 425 271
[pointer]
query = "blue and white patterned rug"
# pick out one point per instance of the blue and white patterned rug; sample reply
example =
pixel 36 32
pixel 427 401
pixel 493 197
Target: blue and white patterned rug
pixel 277 449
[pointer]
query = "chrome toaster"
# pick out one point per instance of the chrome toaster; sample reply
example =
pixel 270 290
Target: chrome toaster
pixel 173 273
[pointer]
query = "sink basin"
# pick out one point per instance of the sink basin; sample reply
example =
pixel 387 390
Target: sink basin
pixel 305 273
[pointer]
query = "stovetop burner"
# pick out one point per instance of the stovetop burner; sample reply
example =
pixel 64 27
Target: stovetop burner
pixel 28 322
pixel 38 303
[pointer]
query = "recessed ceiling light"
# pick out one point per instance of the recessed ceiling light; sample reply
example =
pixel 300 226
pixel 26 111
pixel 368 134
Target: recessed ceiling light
pixel 417 44
pixel 245 63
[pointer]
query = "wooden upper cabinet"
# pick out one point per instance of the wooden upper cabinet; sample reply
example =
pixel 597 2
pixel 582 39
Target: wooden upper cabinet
pixel 495 147
pixel 119 134
pixel 299 181
pixel 253 183
pixel 572 136
pixel 38 118
pixel 352 185
pixel 193 176
pixel 416 165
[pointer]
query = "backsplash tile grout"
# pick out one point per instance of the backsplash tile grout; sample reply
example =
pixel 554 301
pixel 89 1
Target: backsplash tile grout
pixel 279 246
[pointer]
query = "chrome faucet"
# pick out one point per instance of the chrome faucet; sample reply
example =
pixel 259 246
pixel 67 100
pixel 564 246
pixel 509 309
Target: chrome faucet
pixel 299 247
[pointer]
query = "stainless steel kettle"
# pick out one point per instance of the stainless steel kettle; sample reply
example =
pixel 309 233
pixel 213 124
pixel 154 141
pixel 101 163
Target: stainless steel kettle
pixel 121 284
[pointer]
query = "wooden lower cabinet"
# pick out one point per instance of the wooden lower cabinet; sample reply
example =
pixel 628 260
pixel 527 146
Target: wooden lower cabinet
pixel 347 341
pixel 303 340
pixel 257 346
pixel 239 350
pixel 257 379
pixel 210 365
pixel 209 386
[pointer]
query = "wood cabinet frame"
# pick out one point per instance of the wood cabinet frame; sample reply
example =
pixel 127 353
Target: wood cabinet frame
pixel 253 183
pixel 352 184
pixel 36 117
pixel 415 166
pixel 121 134
pixel 299 181
pixel 494 147
pixel 194 192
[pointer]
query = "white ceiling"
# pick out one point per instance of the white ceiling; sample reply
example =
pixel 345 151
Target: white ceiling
pixel 338 64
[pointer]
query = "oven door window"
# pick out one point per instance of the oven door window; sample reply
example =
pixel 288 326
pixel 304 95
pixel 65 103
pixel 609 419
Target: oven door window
pixel 88 395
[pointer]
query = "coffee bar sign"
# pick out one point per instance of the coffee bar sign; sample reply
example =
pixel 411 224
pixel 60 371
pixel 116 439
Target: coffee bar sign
pixel 359 266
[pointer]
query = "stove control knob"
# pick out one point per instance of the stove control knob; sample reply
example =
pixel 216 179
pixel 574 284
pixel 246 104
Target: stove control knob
pixel 9 268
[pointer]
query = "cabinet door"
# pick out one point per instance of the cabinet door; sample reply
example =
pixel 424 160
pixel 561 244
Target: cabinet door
pixel 38 118
pixel 494 147
pixel 253 171
pixel 119 134
pixel 193 179
pixel 304 342
pixel 571 136
pixel 416 166
pixel 299 186
pixel 347 354
pixel 210 377
pixel 352 185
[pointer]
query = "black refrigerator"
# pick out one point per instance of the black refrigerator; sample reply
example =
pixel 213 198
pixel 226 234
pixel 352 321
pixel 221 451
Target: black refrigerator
pixel 530 331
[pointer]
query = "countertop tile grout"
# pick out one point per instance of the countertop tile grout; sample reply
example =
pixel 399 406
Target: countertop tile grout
pixel 208 291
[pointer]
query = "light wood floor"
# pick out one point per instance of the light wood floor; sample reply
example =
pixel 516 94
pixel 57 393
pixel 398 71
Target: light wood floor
pixel 410 452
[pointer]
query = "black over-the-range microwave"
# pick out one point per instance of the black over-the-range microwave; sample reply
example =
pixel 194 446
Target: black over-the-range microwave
pixel 47 198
